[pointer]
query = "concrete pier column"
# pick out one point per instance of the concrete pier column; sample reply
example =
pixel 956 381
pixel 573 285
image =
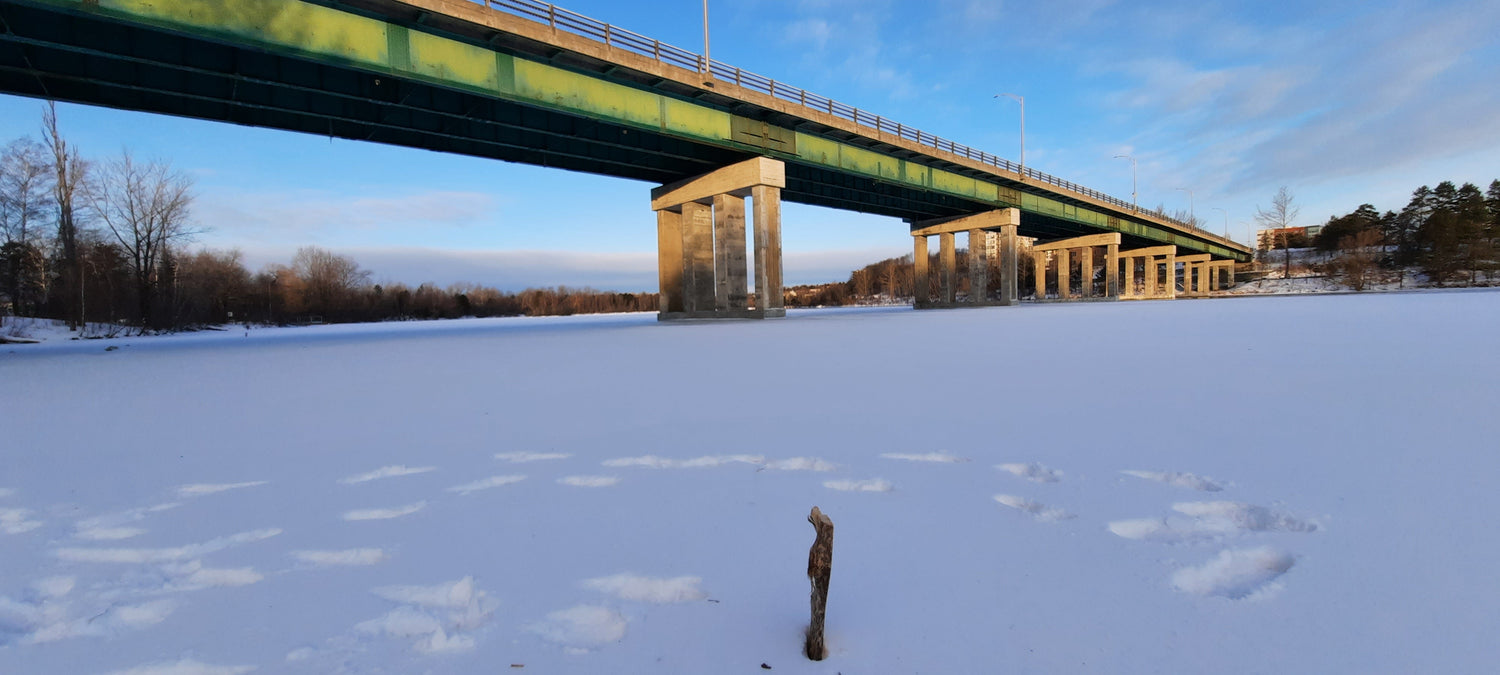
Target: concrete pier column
pixel 921 282
pixel 979 268
pixel 947 262
pixel 767 200
pixel 1039 261
pixel 1086 267
pixel 1112 271
pixel 1010 293
pixel 1064 275
pixel 669 261
pixel 1129 290
pixel 731 290
pixel 698 256
pixel 1171 291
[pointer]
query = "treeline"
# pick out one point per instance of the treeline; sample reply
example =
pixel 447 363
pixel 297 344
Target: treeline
pixel 1452 233
pixel 105 242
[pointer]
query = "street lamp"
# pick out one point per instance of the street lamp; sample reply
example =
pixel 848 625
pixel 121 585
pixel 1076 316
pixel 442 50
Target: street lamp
pixel 1226 221
pixel 1133 203
pixel 1192 219
pixel 707 69
pixel 1021 100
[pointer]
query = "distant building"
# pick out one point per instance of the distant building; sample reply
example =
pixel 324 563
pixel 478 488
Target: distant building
pixel 1294 237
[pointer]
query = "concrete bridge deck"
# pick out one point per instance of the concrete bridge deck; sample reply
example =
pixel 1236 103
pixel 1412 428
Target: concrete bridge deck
pixel 524 81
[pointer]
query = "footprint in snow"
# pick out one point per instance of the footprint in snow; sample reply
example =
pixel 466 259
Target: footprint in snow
pixel 485 484
pixel 384 514
pixel 1041 512
pixel 1179 479
pixel 850 485
pixel 201 489
pixel 524 457
pixel 935 457
pixel 626 586
pixel 1034 472
pixel 183 667
pixel 1208 521
pixel 581 628
pixel 589 481
pixel 17 521
pixel 438 619
pixel 117 526
pixel 1236 574
pixel 386 472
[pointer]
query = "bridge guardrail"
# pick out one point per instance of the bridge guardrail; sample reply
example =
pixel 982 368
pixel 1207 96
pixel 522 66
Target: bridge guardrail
pixel 614 36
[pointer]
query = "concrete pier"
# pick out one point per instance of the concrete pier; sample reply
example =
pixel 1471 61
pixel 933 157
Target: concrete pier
pixel 701 265
pixel 1084 247
pixel 980 227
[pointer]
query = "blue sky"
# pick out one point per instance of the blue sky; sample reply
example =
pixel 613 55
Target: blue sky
pixel 1342 102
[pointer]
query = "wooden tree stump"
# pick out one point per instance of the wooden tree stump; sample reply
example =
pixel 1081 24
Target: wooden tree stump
pixel 819 566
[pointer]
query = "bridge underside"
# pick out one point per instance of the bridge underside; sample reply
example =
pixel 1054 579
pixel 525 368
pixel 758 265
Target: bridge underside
pixel 87 59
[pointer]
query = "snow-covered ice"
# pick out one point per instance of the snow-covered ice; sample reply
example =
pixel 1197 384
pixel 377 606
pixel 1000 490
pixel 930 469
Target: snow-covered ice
pixel 1252 485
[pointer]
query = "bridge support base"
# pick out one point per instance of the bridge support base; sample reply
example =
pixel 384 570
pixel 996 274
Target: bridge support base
pixel 992 241
pixel 1062 251
pixel 700 230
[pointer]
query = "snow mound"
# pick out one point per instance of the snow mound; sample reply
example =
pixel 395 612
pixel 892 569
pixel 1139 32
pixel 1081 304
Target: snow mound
pixel 200 489
pixel 162 555
pixel 386 472
pixel 850 485
pixel 584 626
pixel 1235 574
pixel 16 521
pixel 627 586
pixel 384 514
pixel 1032 471
pixel 344 558
pixel 523 457
pixel 940 457
pixel 1184 480
pixel 1037 510
pixel 486 484
pixel 184 667
pixel 589 481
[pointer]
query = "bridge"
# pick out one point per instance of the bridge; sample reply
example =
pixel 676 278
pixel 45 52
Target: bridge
pixel 524 81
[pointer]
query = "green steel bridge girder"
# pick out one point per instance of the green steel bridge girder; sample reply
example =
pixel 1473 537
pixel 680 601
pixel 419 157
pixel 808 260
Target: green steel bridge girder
pixel 311 32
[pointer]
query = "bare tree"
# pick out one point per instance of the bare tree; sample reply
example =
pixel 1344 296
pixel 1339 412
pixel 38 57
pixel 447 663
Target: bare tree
pixel 24 199
pixel 144 206
pixel 69 173
pixel 328 279
pixel 1280 216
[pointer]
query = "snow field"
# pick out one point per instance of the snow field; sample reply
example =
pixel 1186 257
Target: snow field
pixel 1334 490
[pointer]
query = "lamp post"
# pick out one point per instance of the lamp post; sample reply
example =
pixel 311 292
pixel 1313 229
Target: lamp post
pixel 1192 218
pixel 1021 100
pixel 1226 221
pixel 707 69
pixel 1133 202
